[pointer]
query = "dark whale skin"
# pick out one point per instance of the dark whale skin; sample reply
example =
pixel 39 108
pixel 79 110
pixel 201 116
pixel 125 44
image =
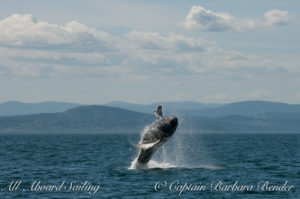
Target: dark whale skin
pixel 159 131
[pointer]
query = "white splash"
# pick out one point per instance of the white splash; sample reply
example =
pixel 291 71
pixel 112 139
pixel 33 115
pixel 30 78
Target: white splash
pixel 163 161
pixel 172 154
pixel 152 164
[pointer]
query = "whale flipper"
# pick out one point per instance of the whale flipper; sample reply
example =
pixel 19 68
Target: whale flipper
pixel 158 112
pixel 147 146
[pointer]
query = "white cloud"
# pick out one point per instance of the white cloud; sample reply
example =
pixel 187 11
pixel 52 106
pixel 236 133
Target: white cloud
pixel 27 31
pixel 207 20
pixel 33 48
pixel 277 17
pixel 154 41
pixel 202 19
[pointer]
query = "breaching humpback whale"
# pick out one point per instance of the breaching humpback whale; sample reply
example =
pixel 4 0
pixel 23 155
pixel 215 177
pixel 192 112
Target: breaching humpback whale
pixel 157 134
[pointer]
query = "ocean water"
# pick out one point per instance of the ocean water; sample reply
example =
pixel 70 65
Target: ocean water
pixel 188 166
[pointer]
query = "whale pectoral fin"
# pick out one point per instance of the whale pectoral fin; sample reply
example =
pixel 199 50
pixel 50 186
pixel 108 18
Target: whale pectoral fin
pixel 158 112
pixel 147 145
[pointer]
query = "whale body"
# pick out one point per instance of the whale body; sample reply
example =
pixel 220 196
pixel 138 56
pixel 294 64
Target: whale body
pixel 156 135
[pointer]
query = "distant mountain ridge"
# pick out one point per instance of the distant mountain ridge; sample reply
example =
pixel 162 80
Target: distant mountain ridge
pixel 20 108
pixel 245 108
pixel 240 117
pixel 183 109
pixel 170 108
pixel 91 118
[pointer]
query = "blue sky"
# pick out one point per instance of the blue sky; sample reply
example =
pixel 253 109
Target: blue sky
pixel 145 51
